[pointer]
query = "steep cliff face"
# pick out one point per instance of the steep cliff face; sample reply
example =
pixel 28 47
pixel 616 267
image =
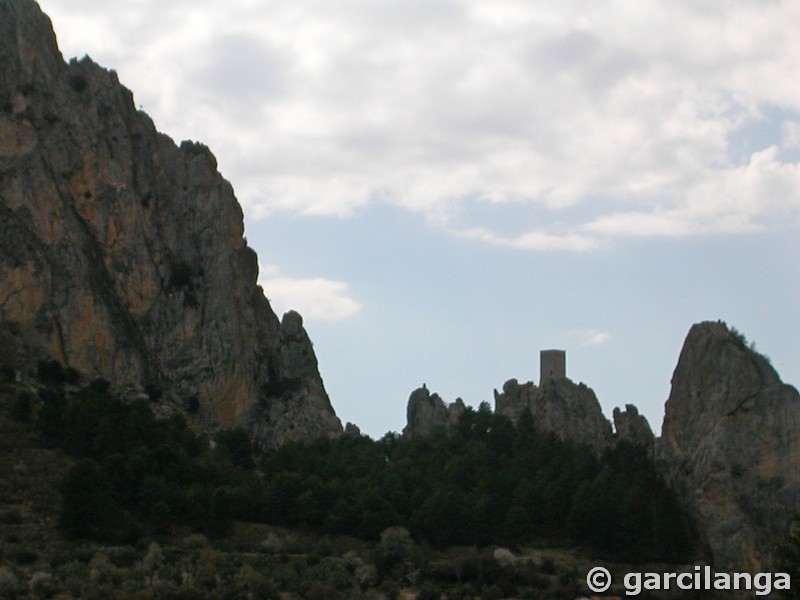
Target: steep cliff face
pixel 730 446
pixel 570 411
pixel 122 254
pixel 300 409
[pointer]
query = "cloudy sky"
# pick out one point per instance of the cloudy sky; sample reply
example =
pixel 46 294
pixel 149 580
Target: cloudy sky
pixel 443 188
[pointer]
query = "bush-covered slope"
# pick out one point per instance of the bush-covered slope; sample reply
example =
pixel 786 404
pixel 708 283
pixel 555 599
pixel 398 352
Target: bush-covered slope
pixel 102 498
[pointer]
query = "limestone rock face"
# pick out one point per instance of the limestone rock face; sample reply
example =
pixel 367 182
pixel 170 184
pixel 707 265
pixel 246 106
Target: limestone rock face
pixel 633 428
pixel 121 254
pixel 300 409
pixel 570 411
pixel 426 411
pixel 730 447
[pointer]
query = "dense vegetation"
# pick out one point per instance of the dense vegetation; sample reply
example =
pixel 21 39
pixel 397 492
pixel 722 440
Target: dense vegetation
pixel 485 482
pixel 136 474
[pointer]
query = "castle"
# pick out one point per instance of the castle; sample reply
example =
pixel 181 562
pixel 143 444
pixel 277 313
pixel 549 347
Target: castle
pixel 552 365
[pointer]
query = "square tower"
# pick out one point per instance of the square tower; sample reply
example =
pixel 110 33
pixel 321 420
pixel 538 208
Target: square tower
pixel 552 365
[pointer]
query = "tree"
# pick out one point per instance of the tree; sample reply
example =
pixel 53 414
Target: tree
pixel 50 418
pixel 236 445
pixel 21 409
pixel 517 526
pixel 441 517
pixel 788 554
pixel 50 372
pixel 88 508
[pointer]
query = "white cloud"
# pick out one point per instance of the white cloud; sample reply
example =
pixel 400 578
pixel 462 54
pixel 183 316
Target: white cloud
pixel 315 298
pixel 322 108
pixel 532 240
pixel 592 337
pixel 727 201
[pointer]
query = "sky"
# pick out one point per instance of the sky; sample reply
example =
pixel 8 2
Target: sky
pixel 444 188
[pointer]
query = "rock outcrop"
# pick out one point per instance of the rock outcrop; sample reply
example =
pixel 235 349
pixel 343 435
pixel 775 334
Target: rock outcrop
pixel 352 429
pixel 425 411
pixel 122 255
pixel 633 428
pixel 730 447
pixel 570 411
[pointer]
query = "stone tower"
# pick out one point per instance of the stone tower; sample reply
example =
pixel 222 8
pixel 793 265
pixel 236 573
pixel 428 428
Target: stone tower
pixel 552 365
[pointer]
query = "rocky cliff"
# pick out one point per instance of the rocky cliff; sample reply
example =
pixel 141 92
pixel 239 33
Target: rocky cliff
pixel 559 406
pixel 570 411
pixel 425 411
pixel 122 255
pixel 730 446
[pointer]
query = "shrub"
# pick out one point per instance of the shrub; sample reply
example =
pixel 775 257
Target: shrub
pixel 78 82
pixel 50 419
pixel 71 376
pixel 180 276
pixel 100 385
pixel 397 541
pixel 153 558
pixel 43 585
pixel 50 372
pixel 153 390
pixel 740 338
pixel 253 584
pixel 88 508
pixel 492 592
pixel 395 547
pixel 278 388
pixel 21 409
pixel 25 557
pixel 124 557
pixel 10 517
pixel 788 556
pixel 193 404
pixel 429 591
pixel 548 566
pixel 319 590
pixel 8 374
pixel 236 446
pixel 8 581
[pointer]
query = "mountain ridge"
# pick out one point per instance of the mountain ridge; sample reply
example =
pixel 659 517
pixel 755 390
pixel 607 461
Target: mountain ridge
pixel 123 254
pixel 728 447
